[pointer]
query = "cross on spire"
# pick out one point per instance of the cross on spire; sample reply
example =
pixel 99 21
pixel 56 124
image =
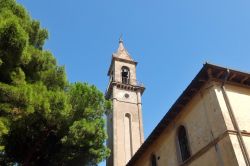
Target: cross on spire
pixel 120 39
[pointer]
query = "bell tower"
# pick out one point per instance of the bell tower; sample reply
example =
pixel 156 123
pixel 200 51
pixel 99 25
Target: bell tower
pixel 124 121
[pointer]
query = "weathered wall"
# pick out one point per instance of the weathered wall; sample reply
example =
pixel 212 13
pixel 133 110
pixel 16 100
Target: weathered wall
pixel 247 142
pixel 205 125
pixel 123 105
pixel 239 99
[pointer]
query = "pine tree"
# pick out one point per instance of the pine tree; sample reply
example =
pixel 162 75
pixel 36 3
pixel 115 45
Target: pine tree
pixel 44 120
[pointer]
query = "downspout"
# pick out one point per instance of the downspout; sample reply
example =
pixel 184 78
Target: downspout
pixel 234 121
pixel 139 106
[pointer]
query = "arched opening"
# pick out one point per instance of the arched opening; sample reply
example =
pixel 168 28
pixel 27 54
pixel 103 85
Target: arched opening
pixel 128 137
pixel 183 143
pixel 111 76
pixel 153 160
pixel 125 74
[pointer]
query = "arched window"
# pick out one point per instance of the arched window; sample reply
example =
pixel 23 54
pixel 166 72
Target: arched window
pixel 111 76
pixel 153 160
pixel 183 143
pixel 125 75
pixel 128 137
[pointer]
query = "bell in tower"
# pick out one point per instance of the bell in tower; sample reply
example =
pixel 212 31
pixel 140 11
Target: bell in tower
pixel 124 121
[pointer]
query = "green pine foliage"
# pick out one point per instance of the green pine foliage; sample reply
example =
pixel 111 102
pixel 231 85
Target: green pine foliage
pixel 44 120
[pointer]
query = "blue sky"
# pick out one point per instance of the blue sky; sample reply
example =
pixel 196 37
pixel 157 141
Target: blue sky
pixel 171 39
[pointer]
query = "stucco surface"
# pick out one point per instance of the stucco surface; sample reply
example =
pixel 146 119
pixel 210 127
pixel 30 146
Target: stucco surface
pixel 240 101
pixel 207 122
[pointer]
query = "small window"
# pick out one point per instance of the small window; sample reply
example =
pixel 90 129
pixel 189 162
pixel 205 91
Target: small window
pixel 125 75
pixel 183 143
pixel 153 160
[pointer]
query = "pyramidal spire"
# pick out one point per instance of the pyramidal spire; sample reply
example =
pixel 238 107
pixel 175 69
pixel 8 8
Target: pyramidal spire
pixel 121 51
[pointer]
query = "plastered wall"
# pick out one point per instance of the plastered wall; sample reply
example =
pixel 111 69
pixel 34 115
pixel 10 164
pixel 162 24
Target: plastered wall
pixel 206 127
pixel 123 105
pixel 239 99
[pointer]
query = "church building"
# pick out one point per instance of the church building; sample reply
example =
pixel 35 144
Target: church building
pixel 208 125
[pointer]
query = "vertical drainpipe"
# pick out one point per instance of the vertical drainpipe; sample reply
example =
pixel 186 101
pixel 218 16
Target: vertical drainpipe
pixel 139 105
pixel 234 121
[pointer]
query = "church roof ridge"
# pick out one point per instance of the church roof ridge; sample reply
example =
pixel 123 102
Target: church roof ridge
pixel 209 72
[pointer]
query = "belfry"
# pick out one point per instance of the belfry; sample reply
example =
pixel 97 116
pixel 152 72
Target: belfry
pixel 124 121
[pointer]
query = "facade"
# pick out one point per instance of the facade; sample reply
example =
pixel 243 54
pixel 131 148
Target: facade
pixel 208 125
pixel 124 121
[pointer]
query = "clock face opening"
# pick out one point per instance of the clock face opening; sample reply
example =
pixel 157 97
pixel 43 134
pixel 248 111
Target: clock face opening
pixel 126 95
